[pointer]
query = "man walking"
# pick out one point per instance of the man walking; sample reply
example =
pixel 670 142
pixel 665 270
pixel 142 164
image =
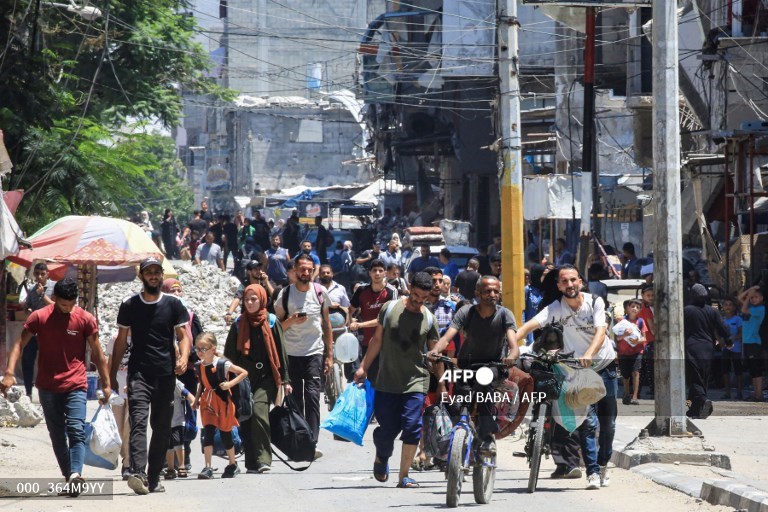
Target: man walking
pixel 489 331
pixel 210 252
pixel 63 331
pixel 155 321
pixel 582 317
pixel 368 299
pixel 38 296
pixel 303 311
pixel 278 257
pixel 402 332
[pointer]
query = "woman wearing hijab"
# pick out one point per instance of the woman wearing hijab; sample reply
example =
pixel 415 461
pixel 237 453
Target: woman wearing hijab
pixel 255 342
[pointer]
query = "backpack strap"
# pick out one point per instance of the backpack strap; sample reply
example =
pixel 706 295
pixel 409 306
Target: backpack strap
pixel 221 370
pixel 285 292
pixel 319 292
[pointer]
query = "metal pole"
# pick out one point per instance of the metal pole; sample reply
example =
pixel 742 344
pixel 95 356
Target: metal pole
pixel 751 209
pixel 510 164
pixel 670 356
pixel 588 151
pixel 727 215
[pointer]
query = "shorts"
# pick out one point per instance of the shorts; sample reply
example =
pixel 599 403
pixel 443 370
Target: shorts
pixel 753 356
pixel 629 364
pixel 176 441
pixel 732 361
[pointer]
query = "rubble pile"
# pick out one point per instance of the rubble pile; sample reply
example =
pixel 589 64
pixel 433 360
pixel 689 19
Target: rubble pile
pixel 207 292
pixel 18 410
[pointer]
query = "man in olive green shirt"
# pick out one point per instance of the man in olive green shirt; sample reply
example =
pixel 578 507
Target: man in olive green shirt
pixel 406 330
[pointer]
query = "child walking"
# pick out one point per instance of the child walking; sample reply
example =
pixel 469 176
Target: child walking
pixel 175 451
pixel 214 399
pixel 732 355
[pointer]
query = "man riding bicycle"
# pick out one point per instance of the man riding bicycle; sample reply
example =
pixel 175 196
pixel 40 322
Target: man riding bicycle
pixel 487 326
pixel 582 317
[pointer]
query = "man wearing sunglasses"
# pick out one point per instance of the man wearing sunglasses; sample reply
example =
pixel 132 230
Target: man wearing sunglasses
pixel 155 321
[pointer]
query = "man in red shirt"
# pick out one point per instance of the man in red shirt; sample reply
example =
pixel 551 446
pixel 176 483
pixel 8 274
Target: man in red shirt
pixel 646 313
pixel 63 330
pixel 368 300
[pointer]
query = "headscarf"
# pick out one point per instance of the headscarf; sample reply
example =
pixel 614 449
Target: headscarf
pixel 258 319
pixel 169 284
pixel 536 272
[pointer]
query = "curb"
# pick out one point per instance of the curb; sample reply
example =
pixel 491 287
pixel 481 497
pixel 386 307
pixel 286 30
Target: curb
pixel 730 493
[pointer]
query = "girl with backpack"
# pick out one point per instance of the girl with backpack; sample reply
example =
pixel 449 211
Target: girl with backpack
pixel 214 399
pixel 255 342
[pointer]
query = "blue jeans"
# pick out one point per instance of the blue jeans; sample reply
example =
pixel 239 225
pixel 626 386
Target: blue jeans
pixel 65 418
pixel 596 451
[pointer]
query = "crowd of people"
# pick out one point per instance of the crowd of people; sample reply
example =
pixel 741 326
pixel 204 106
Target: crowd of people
pixel 282 323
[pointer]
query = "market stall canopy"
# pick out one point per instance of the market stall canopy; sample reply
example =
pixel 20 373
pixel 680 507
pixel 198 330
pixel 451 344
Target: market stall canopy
pixel 101 252
pixel 67 235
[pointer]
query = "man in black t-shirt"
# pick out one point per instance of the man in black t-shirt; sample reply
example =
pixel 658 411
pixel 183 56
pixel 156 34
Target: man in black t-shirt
pixel 195 230
pixel 154 321
pixel 488 328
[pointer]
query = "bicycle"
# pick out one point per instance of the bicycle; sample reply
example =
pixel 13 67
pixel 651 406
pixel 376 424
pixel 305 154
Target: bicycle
pixel 464 452
pixel 548 385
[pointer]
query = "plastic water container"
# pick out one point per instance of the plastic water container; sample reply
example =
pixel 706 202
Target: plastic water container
pixel 93 385
pixel 346 348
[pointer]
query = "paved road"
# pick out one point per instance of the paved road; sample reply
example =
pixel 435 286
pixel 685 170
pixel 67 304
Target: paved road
pixel 339 481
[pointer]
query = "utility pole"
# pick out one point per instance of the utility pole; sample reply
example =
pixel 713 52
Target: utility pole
pixel 510 164
pixel 588 151
pixel 669 377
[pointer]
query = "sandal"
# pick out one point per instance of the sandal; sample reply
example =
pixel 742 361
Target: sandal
pixel 381 471
pixel 408 483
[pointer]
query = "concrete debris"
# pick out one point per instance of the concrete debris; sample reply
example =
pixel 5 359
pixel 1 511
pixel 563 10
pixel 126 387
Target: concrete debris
pixel 20 413
pixel 207 292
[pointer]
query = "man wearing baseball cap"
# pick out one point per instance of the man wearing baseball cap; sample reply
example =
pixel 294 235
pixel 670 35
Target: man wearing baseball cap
pixel 155 321
pixel 254 274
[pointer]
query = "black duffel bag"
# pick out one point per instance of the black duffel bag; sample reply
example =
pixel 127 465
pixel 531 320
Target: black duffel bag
pixel 291 434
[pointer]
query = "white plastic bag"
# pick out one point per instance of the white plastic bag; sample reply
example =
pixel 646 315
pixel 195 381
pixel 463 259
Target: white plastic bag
pixel 628 331
pixel 105 440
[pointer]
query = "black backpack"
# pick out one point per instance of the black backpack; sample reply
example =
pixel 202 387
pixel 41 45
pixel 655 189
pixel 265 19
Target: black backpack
pixel 241 393
pixel 291 434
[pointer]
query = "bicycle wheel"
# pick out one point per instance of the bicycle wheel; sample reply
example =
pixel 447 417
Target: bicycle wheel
pixel 331 391
pixel 338 378
pixel 455 469
pixel 483 479
pixel 536 442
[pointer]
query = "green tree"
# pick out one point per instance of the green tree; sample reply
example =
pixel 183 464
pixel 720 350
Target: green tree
pixel 68 86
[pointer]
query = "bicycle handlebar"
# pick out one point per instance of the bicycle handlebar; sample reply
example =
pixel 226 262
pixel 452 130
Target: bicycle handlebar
pixel 552 358
pixel 445 359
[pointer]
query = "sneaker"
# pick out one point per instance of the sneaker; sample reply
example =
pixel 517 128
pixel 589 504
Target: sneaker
pixel 126 474
pixel 626 400
pixel 205 474
pixel 593 481
pixel 706 410
pixel 138 484
pixel 634 402
pixel 76 485
pixel 605 476
pixel 231 471
pixel 318 454
pixel 252 471
pixel 170 474
pixel 188 466
pixel 558 473
pixel 156 486
pixel 264 468
pixel 572 474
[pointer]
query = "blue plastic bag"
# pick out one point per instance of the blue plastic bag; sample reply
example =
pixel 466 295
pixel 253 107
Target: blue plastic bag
pixel 352 413
pixel 91 459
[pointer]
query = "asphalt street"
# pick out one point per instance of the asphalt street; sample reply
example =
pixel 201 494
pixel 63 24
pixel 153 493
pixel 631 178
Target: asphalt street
pixel 341 480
